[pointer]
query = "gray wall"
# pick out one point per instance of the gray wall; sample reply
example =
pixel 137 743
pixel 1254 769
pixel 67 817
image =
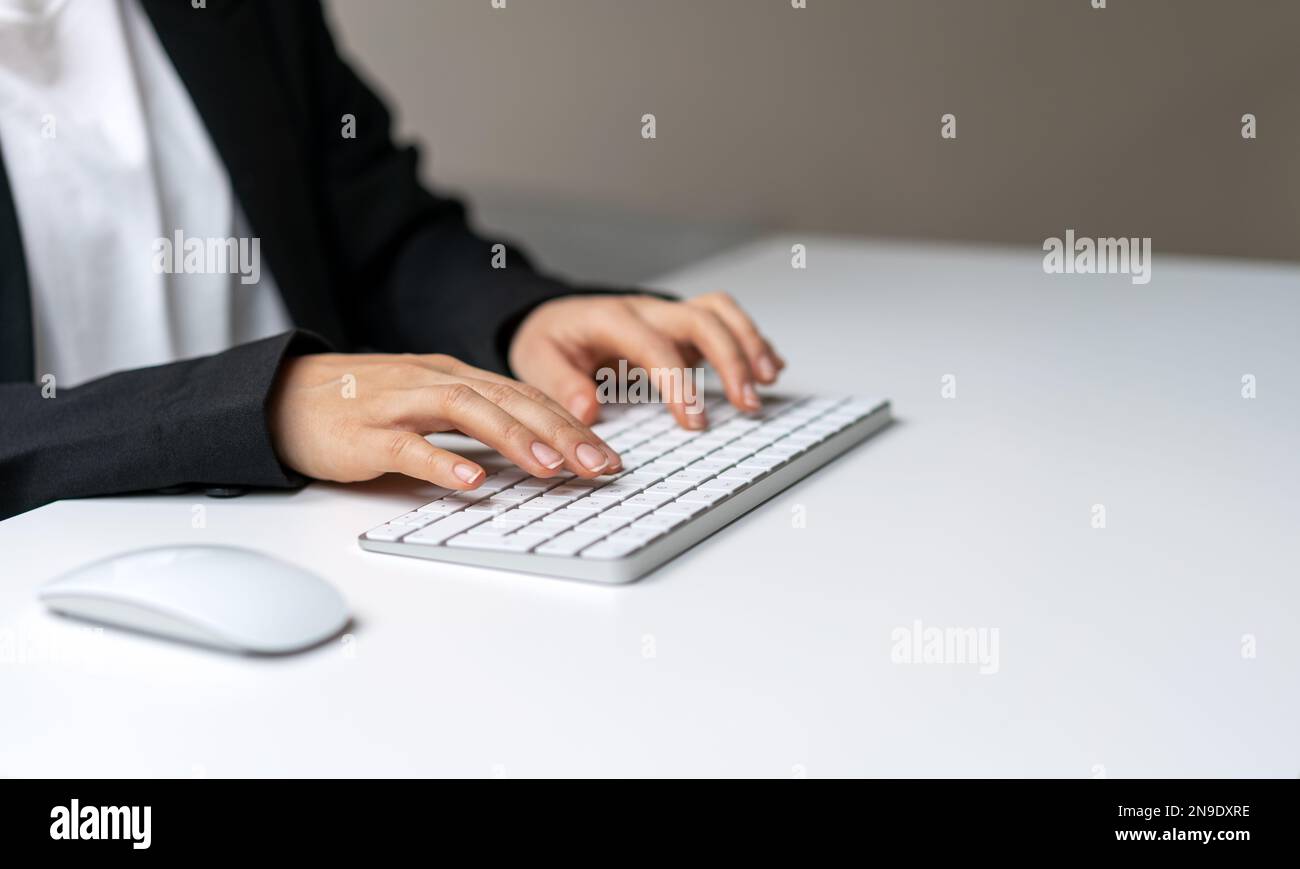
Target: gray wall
pixel 1122 121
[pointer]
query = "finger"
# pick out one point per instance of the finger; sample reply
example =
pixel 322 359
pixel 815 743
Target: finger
pixel 720 347
pixel 405 452
pixel 763 360
pixel 623 333
pixel 459 405
pixel 580 385
pixel 558 375
pixel 577 443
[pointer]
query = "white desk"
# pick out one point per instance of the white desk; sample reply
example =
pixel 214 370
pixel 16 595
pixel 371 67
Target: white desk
pixel 1120 649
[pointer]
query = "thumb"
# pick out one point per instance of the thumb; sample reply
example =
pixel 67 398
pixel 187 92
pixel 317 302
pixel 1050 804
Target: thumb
pixel 551 371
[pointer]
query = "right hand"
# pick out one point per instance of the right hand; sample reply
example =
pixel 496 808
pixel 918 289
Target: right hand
pixel 320 432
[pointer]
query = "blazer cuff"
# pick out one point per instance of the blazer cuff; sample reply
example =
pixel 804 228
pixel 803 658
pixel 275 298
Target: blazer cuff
pixel 230 430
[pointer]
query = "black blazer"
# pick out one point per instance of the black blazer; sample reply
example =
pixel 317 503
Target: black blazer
pixel 363 255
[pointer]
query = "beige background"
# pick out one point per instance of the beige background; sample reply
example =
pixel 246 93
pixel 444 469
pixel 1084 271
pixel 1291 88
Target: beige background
pixel 1122 121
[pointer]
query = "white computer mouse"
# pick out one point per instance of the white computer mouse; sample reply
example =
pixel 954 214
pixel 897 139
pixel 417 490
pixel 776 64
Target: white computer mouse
pixel 220 596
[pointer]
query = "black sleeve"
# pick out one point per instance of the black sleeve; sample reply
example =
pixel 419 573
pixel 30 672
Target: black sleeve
pixel 198 421
pixel 421 280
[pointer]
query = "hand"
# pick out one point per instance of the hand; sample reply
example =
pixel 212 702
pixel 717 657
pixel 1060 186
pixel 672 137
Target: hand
pixel 326 425
pixel 563 342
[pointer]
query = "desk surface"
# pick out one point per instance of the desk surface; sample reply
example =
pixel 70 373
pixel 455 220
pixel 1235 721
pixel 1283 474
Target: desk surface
pixel 1165 643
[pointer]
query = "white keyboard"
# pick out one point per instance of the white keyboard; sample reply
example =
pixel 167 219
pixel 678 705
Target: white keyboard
pixel 676 488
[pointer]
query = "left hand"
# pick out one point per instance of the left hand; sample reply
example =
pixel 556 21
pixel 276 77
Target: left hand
pixel 562 343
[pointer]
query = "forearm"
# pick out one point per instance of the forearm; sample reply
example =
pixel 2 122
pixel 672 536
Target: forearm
pixel 197 421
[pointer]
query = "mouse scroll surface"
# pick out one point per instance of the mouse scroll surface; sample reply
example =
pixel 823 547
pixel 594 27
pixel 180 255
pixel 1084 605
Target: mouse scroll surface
pixel 227 597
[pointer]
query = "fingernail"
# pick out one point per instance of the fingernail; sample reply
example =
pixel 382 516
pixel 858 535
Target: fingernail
pixel 467 473
pixel 697 420
pixel 766 367
pixel 547 456
pixel 750 396
pixel 592 459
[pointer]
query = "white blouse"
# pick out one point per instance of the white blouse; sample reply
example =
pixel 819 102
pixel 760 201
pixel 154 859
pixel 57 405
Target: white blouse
pixel 110 167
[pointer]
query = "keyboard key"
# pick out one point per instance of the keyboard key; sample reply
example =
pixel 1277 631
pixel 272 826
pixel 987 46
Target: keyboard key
pixel 721 412
pixel 671 487
pixel 604 500
pixel 414 519
pixel 516 517
pixel 662 468
pixel 675 436
pixel 680 508
pixel 500 544
pixel 659 522
pixel 697 496
pixel 643 479
pixel 447 527
pixel 629 511
pixel 537 484
pixel 857 407
pixel 537 508
pixel 785 450
pixel 624 488
pixel 640 535
pixel 498 481
pixel 684 479
pixel 753 444
pixel 746 475
pixel 761 462
pixel 559 521
pixel 536 533
pixel 570 491
pixel 584 507
pixel 491 529
pixel 567 544
pixel 467 498
pixel 514 496
pixel 441 508
pixel 603 524
pixel 649 499
pixel 633 460
pixel 726 487
pixel 681 458
pixel 388 533
pixel 611 549
pixel 489 507
pixel 505 499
